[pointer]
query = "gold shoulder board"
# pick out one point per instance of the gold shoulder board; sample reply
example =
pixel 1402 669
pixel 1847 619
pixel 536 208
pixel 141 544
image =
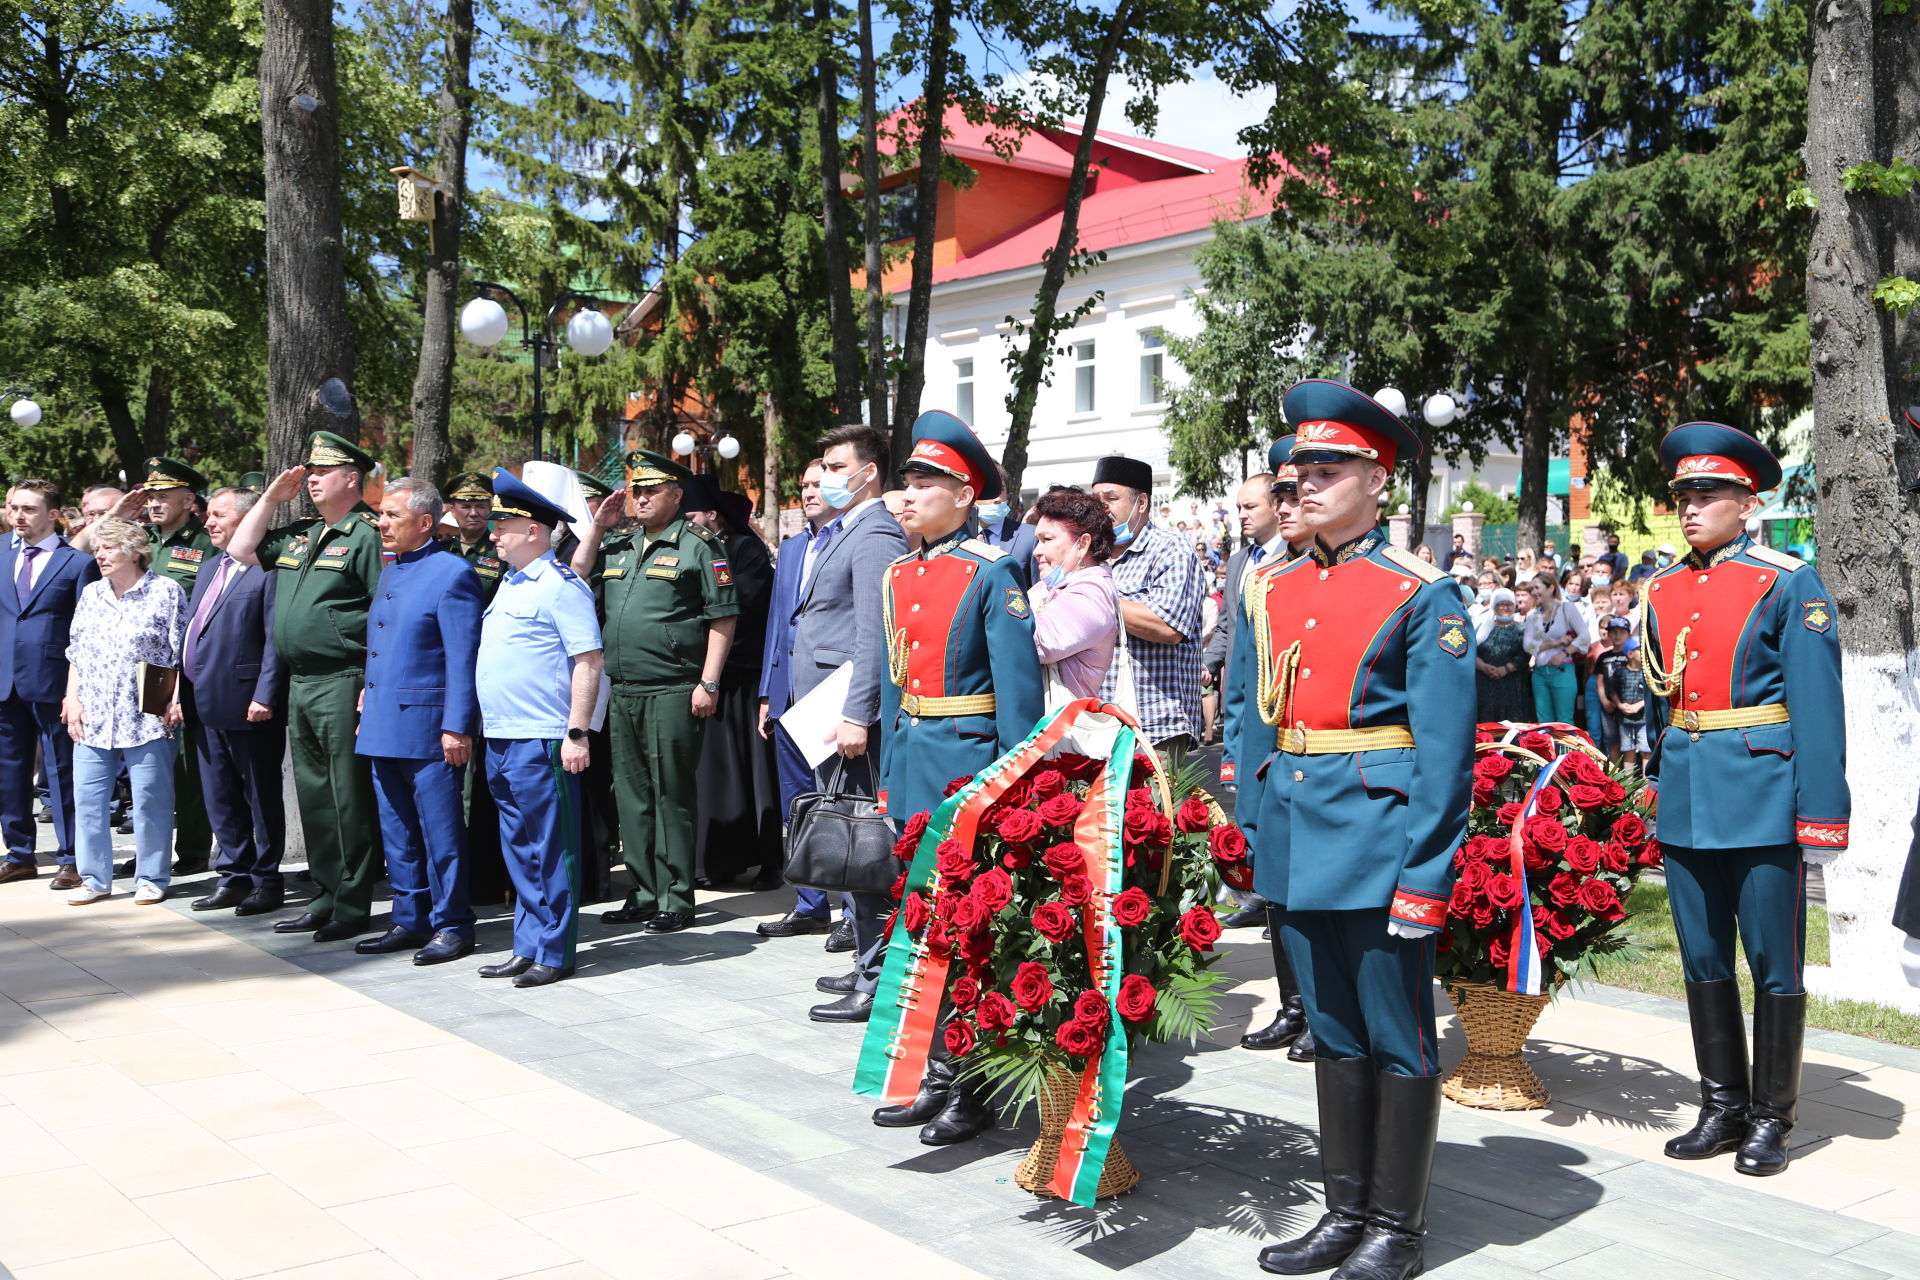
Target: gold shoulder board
pixel 1414 565
pixel 985 550
pixel 1778 559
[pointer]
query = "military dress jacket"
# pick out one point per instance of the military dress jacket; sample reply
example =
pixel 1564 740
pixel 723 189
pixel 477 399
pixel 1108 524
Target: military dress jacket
pixel 324 575
pixel 1244 736
pixel 486 562
pixel 180 554
pixel 963 684
pixel 1742 628
pixel 661 595
pixel 1371 638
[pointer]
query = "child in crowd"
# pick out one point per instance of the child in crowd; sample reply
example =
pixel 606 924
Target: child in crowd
pixel 1623 698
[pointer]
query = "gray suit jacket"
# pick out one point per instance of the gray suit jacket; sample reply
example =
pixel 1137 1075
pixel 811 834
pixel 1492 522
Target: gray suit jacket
pixel 1220 643
pixel 838 617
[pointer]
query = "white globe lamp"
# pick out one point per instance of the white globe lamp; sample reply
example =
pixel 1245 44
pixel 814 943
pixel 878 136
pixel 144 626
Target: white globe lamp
pixel 590 332
pixel 483 322
pixel 728 447
pixel 1390 399
pixel 683 444
pixel 1405 510
pixel 25 413
pixel 1440 410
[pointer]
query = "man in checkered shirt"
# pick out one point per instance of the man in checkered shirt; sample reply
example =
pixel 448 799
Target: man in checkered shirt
pixel 1162 588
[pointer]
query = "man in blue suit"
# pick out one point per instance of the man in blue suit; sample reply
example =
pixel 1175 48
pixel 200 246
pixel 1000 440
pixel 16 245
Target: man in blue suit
pixel 1000 526
pixel 233 695
pixel 40 581
pixel 418 711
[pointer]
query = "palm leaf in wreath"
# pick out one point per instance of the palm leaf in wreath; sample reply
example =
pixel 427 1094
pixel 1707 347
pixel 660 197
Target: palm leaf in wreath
pixel 1010 1077
pixel 1184 1007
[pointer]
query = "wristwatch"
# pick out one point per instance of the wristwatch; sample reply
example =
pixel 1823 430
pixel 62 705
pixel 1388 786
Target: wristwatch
pixel 711 686
pixel 576 735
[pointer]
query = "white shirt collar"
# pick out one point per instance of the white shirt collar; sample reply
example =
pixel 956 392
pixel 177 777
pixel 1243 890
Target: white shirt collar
pixel 1274 546
pixel 49 543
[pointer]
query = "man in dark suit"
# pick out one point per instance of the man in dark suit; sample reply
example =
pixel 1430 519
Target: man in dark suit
pixel 418 714
pixel 40 581
pixel 1000 525
pixel 233 694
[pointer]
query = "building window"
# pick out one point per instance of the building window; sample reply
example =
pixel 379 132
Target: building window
pixel 1083 401
pixel 900 212
pixel 963 390
pixel 1153 368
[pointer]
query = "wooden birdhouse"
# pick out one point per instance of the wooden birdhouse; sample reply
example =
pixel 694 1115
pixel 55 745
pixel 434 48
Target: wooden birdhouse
pixel 416 194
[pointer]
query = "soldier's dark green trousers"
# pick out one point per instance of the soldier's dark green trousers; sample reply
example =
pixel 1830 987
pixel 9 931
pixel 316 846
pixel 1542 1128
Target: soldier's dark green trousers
pixel 1757 895
pixel 334 788
pixel 192 831
pixel 656 747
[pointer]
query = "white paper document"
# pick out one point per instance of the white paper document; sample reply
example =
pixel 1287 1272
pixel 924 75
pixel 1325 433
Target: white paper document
pixel 810 722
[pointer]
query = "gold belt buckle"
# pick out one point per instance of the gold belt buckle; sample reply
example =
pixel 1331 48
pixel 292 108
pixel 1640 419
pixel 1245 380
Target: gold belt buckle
pixel 1690 721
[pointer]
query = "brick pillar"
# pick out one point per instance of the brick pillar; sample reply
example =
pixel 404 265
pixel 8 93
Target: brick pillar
pixel 1400 529
pixel 1467 524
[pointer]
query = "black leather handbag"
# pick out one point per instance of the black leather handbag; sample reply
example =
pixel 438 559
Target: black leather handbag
pixel 838 841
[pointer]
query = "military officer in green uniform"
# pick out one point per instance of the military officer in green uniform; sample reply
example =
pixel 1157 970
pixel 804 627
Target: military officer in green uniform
pixel 180 544
pixel 670 614
pixel 326 567
pixel 470 501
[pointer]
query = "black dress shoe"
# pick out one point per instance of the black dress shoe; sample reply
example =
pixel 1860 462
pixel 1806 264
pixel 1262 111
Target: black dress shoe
pixel 855 1006
pixel 124 869
pixel 337 931
pixel 838 986
pixel 1245 918
pixel 1301 1050
pixel 189 866
pixel 792 925
pixel 667 922
pixel 540 975
pixel 394 939
pixel 302 923
pixel 230 894
pixel 628 915
pixel 259 903
pixel 841 939
pixel 444 946
pixel 511 967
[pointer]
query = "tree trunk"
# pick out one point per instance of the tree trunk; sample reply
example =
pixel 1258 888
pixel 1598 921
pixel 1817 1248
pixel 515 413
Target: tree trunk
pixel 770 476
pixel 1032 368
pixel 833 221
pixel 874 237
pixel 309 342
pixel 1862 106
pixel 933 105
pixel 1418 484
pixel 1536 444
pixel 433 380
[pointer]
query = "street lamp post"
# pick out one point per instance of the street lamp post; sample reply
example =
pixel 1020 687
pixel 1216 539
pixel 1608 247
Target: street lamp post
pixel 686 444
pixel 483 322
pixel 24 411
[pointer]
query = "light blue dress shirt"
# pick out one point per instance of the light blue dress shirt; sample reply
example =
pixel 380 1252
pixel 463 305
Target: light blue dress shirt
pixel 539 622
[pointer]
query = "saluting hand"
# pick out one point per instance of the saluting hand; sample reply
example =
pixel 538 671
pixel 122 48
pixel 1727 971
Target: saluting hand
pixel 132 503
pixel 611 510
pixel 285 486
pixel 456 748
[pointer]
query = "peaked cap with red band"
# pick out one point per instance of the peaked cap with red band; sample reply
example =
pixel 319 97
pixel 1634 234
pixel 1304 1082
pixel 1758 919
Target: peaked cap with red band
pixel 1279 461
pixel 1332 418
pixel 1702 454
pixel 947 446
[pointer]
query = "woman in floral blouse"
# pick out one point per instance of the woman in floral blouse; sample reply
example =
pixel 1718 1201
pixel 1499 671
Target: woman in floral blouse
pixel 130 616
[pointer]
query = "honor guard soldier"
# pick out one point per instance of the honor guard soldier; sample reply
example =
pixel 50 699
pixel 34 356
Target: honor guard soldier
pixel 1241 735
pixel 325 569
pixel 538 677
pixel 963 683
pixel 670 611
pixel 1364 670
pixel 1750 755
pixel 470 499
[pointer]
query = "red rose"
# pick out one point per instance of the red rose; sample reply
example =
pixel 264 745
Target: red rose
pixel 1077 767
pixel 1060 810
pixel 952 861
pixel 976 947
pixel 915 826
pixel 905 847
pixel 1602 900
pixel 899 886
pixel 1140 824
pixel 1564 889
pixel 915 912
pixel 1548 801
pixel 1141 798
pixel 1492 766
pixel 1076 891
pixel 1461 900
pixel 1650 856
pixel 1054 921
pixel 1461 857
pixel 1629 829
pixel 1091 1006
pixel 959 1037
pixel 1018 796
pixel 1475 877
pixel 1588 796
pixel 1019 826
pixel 1483 793
pixel 1616 794
pixel 1483 734
pixel 1538 743
pixel 1482 913
pixel 1583 855
pixel 966 992
pixel 1135 1001
pixel 992 890
pixel 1547 833
pixel 1031 986
pixel 994 1012
pixel 938 938
pixel 1200 929
pixel 1490 848
pixel 1558 927
pixel 1048 783
pixel 1142 771
pixel 1063 860
pixel 1506 892
pixel 1132 907
pixel 1227 843
pixel 964 912
pixel 1507 813
pixel 956 784
pixel 1016 859
pixel 1081 1039
pixel 1193 815
pixel 1534 858
pixel 1615 858
pixel 1498 952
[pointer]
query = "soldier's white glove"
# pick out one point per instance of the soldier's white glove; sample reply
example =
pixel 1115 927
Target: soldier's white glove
pixel 1819 857
pixel 1910 960
pixel 1401 929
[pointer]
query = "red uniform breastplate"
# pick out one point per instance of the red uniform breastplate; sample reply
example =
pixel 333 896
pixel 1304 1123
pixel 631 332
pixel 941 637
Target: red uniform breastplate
pixel 926 595
pixel 1338 614
pixel 1715 607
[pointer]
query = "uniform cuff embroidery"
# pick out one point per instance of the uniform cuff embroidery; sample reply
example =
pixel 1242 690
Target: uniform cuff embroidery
pixel 1418 908
pixel 1820 835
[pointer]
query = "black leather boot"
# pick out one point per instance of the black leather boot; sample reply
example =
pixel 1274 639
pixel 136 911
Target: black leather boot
pixel 930 1102
pixel 1720 1051
pixel 966 1116
pixel 1779 1030
pixel 1347 1104
pixel 1291 1022
pixel 1405 1129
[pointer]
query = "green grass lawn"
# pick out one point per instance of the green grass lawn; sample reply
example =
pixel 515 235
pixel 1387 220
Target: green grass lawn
pixel 1656 970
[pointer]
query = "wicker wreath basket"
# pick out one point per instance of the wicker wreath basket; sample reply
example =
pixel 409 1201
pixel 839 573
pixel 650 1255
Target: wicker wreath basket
pixel 1056 1106
pixel 1494 1075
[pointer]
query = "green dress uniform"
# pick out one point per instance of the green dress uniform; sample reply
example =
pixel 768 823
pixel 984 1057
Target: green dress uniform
pixel 325 576
pixel 179 555
pixel 482 555
pixel 662 592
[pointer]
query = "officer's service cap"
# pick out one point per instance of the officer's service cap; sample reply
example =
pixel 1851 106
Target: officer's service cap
pixel 945 446
pixel 1333 422
pixel 1280 462
pixel 1700 455
pixel 170 473
pixel 469 486
pixel 593 486
pixel 645 467
pixel 325 449
pixel 512 498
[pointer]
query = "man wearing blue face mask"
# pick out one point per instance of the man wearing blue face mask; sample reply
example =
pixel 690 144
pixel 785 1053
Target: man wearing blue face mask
pixel 1001 526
